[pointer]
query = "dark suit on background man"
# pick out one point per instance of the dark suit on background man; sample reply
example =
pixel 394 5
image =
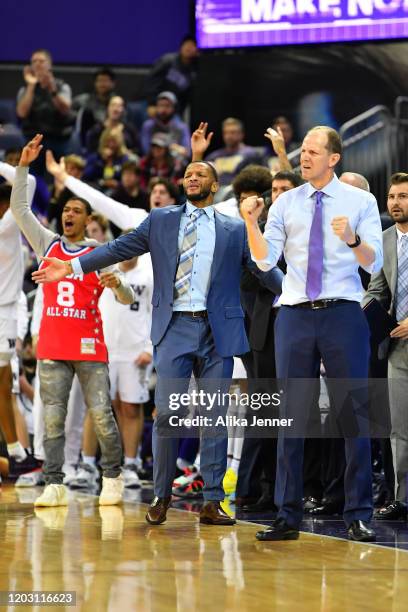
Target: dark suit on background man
pixel 257 468
pixel 383 287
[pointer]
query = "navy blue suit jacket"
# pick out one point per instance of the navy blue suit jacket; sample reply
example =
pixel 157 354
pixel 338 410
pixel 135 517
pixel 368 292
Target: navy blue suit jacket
pixel 158 234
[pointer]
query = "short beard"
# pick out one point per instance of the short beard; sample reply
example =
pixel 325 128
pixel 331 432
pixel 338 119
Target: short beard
pixel 401 220
pixel 199 197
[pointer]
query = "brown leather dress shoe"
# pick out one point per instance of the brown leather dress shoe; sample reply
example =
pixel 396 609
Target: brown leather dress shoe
pixel 212 514
pixel 157 511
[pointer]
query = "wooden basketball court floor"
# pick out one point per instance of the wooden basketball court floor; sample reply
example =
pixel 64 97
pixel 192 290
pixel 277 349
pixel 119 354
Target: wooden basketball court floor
pixel 115 561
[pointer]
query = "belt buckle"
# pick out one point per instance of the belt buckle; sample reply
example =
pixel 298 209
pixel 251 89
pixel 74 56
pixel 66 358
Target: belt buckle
pixel 316 306
pixel 196 316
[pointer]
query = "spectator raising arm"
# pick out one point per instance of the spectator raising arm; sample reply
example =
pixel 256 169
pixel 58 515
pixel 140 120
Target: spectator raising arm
pixel 278 145
pixel 121 215
pixel 200 142
pixel 9 173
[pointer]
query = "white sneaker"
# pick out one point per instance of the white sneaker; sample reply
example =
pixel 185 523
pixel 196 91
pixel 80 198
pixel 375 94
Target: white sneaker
pixel 86 477
pixel 70 473
pixel 112 491
pixel 130 476
pixel 53 495
pixel 31 479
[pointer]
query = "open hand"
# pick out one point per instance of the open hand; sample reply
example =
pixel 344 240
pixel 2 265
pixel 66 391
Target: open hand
pixel 200 141
pixel 251 209
pixel 56 169
pixel 29 76
pixel 31 151
pixel 401 331
pixel 277 140
pixel 55 271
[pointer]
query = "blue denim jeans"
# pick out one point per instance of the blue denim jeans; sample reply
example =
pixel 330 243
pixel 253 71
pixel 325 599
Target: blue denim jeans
pixel 55 385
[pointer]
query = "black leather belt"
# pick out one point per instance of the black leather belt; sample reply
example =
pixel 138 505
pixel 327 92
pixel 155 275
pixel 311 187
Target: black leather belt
pixel 318 304
pixel 198 314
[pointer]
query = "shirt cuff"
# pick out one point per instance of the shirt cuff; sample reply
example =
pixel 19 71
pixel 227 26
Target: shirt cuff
pixel 76 266
pixel 263 264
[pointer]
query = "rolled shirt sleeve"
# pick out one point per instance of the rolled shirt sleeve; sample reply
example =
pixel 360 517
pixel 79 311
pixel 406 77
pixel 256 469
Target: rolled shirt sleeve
pixel 274 235
pixel 370 231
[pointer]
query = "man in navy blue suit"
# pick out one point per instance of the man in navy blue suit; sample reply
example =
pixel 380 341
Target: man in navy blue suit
pixel 326 229
pixel 198 323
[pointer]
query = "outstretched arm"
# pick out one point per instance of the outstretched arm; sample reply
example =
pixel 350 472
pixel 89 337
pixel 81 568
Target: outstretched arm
pixel 123 248
pixel 9 173
pixel 38 236
pixel 120 214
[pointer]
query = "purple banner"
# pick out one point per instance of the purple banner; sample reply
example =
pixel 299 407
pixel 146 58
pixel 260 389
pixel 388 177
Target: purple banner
pixel 244 23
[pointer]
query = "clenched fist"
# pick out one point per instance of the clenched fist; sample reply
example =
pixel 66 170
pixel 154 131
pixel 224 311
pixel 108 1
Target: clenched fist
pixel 251 209
pixel 341 227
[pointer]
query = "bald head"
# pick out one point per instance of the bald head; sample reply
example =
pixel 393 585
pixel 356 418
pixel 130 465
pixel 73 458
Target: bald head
pixel 355 180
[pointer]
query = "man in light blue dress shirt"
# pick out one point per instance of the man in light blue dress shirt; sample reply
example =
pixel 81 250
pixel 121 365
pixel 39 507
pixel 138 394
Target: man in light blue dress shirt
pixel 197 323
pixel 326 230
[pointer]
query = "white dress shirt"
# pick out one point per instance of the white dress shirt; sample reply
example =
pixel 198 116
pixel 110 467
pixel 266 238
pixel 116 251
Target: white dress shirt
pixel 399 240
pixel 288 229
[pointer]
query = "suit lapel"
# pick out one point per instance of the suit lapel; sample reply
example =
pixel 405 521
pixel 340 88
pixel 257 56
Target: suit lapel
pixel 222 232
pixel 170 235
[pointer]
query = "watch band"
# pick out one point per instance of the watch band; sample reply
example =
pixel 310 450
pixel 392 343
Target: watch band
pixel 356 243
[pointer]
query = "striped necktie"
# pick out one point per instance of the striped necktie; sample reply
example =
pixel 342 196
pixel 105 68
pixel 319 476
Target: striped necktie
pixel 402 283
pixel 185 265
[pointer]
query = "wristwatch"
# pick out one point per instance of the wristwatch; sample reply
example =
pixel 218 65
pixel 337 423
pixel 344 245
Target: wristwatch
pixel 356 243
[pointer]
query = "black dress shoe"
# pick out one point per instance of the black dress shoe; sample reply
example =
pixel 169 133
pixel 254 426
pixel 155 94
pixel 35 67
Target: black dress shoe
pixel 280 530
pixel 326 509
pixel 310 503
pixel 395 511
pixel 263 504
pixel 360 531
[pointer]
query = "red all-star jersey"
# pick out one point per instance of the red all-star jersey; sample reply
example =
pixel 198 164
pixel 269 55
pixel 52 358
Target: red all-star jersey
pixel 71 326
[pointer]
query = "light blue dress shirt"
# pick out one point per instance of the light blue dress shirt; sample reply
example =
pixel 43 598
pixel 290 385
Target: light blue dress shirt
pixel 196 297
pixel 288 228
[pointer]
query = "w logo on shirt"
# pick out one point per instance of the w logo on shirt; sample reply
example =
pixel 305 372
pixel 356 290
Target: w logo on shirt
pixel 12 343
pixel 138 289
